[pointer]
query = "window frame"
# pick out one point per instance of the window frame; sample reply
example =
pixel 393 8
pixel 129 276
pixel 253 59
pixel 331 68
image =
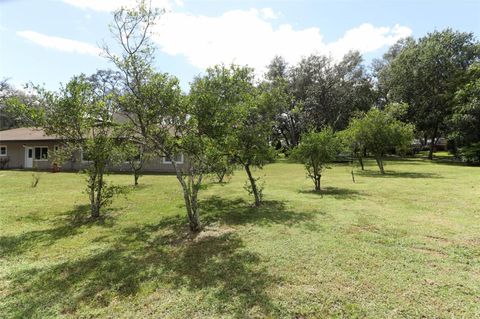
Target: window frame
pixel 166 161
pixel 6 150
pixel 40 159
pixel 82 159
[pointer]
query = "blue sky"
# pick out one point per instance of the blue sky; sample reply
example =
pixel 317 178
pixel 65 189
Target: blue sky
pixel 50 41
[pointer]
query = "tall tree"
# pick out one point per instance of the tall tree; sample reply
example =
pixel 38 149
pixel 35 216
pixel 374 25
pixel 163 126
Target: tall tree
pixel 329 93
pixel 287 124
pixel 427 73
pixel 157 111
pixel 466 112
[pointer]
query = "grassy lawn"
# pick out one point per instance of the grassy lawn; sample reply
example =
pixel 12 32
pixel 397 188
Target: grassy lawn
pixel 402 245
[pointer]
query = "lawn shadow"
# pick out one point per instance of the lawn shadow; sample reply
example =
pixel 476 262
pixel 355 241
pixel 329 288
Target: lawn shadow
pixel 217 267
pixel 335 192
pixel 238 212
pixel 393 174
pixel 214 265
pixel 65 225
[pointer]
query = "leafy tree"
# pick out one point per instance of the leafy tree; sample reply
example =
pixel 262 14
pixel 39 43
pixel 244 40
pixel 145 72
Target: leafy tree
pixel 161 116
pixel 330 93
pixel 249 142
pixel 287 123
pixel 427 73
pixel 237 118
pixel 381 72
pixel 351 142
pixel 81 115
pixel 11 101
pixel 135 155
pixel 316 150
pixel 220 165
pixel 466 112
pixel 379 132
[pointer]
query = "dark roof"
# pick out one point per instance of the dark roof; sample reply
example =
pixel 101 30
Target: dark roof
pixel 25 134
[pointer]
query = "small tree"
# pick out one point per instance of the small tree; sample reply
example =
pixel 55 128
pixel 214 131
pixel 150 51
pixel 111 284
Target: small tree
pixel 81 114
pixel 316 150
pixel 236 117
pixel 220 165
pixel 249 142
pixel 135 155
pixel 379 132
pixel 353 144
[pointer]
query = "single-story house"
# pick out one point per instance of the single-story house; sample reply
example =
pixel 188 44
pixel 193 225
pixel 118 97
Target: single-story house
pixel 421 144
pixel 30 148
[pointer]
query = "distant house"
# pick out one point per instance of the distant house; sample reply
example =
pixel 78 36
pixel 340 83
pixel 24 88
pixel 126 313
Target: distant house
pixel 28 148
pixel 421 144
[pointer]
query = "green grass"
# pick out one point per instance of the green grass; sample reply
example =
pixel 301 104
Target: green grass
pixel 403 245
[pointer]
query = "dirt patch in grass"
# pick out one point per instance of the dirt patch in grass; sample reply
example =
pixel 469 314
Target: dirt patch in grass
pixel 214 231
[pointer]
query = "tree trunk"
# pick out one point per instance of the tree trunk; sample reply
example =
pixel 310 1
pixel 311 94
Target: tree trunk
pixel 98 200
pixel 380 164
pixel 253 185
pixel 317 182
pixel 190 199
pixel 221 176
pixel 93 187
pixel 194 222
pixel 360 160
pixel 136 175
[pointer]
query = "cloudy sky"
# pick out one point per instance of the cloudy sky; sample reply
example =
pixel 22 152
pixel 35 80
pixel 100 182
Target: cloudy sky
pixel 48 41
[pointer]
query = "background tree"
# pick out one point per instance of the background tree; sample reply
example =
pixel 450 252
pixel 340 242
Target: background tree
pixel 11 101
pixel 135 155
pixel 316 150
pixel 330 93
pixel 287 123
pixel 379 132
pixel 427 73
pixel 466 116
pixel 351 141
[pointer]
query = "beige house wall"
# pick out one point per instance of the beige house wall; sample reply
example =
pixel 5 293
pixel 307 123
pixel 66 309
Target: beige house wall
pixel 16 155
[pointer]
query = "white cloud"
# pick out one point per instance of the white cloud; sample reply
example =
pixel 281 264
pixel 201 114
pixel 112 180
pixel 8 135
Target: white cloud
pixel 60 44
pixel 268 13
pixel 367 38
pixel 248 37
pixel 111 5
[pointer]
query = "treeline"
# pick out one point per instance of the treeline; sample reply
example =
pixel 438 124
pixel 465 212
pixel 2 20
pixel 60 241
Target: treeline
pixel 437 77
pixel 311 111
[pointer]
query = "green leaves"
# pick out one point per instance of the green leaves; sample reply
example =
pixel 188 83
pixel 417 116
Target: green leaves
pixel 315 151
pixel 379 132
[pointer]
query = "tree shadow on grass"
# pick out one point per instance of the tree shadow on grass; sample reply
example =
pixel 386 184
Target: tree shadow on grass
pixel 213 267
pixel 218 269
pixel 68 224
pixel 239 212
pixel 393 174
pixel 335 192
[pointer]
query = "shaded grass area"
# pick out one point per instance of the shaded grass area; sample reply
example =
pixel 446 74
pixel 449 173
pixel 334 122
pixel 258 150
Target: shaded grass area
pixel 401 245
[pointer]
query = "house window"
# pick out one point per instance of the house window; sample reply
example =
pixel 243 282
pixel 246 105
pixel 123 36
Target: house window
pixel 178 159
pixel 3 150
pixel 84 156
pixel 41 153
